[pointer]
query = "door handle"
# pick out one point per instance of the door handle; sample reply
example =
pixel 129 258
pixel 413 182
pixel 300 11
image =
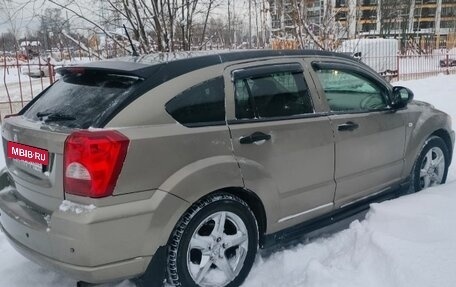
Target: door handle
pixel 255 137
pixel 348 126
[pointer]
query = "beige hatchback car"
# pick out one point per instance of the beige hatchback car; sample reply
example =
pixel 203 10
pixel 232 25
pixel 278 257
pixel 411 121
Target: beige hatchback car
pixel 179 167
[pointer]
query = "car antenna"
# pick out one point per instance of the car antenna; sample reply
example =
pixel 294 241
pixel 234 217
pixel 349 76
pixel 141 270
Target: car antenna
pixel 133 53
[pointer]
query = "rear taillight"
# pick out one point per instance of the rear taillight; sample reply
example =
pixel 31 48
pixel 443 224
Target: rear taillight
pixel 93 161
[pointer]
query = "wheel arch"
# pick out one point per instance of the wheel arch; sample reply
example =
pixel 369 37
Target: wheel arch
pixel 222 174
pixel 445 136
pixel 425 127
pixel 441 133
pixel 255 204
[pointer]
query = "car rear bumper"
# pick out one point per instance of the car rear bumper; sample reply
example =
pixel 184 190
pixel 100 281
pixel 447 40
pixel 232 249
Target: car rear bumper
pixel 97 245
pixel 98 274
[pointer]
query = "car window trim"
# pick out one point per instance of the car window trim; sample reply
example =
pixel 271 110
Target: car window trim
pixel 285 118
pixel 250 99
pixel 304 116
pixel 264 70
pixel 388 109
pixel 203 124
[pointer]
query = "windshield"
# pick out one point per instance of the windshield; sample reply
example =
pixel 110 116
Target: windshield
pixel 80 100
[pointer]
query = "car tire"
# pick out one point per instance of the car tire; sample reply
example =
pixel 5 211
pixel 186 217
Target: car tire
pixel 202 253
pixel 431 166
pixel 41 74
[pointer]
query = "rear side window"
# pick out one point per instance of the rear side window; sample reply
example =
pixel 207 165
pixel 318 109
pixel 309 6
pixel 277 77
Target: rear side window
pixel 200 105
pixel 80 100
pixel 275 94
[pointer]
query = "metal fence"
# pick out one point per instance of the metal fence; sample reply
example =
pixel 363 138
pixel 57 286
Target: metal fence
pixel 414 67
pixel 24 79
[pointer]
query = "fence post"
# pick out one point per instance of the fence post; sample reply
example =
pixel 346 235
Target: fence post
pixel 4 77
pixel 40 72
pixel 398 66
pixel 50 71
pixel 19 75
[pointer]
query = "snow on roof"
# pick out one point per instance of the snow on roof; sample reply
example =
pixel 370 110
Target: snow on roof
pixel 30 43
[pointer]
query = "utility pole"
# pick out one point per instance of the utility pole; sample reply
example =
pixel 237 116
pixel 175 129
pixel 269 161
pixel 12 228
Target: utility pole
pixel 229 25
pixel 250 24
pixel 182 26
pixel 234 24
pixel 263 22
pixel 257 26
pixel 438 18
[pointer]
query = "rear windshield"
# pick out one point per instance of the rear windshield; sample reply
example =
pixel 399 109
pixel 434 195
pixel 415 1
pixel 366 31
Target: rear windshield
pixel 81 100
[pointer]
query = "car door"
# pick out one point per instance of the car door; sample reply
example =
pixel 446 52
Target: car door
pixel 281 139
pixel 370 136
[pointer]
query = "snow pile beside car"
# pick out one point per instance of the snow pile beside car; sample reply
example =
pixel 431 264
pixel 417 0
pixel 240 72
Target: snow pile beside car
pixel 409 241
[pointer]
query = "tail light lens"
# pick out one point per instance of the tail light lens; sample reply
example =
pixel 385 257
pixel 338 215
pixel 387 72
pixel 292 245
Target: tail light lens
pixel 93 161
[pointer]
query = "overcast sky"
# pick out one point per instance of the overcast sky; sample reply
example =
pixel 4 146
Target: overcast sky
pixel 26 15
pixel 22 12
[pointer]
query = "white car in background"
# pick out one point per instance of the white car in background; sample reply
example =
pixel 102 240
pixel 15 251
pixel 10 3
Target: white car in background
pixel 36 69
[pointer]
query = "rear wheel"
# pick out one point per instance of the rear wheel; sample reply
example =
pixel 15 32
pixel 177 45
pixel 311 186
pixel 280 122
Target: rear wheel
pixel 431 167
pixel 214 243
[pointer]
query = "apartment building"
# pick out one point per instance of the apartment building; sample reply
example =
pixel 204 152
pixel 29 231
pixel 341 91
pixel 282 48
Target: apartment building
pixel 425 24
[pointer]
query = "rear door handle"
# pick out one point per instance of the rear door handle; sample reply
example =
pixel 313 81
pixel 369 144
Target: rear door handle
pixel 348 126
pixel 256 137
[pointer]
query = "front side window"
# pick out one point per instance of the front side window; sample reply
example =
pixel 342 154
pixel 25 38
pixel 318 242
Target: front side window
pixel 271 95
pixel 203 104
pixel 349 92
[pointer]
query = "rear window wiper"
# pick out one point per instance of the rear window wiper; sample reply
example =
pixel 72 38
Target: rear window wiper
pixel 54 116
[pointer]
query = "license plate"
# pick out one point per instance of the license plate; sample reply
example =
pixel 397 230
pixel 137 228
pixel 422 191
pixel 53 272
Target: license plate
pixel 28 154
pixel 31 165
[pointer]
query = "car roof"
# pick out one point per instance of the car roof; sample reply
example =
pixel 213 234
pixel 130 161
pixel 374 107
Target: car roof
pixel 173 64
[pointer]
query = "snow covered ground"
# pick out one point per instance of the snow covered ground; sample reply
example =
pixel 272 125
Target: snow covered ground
pixel 410 241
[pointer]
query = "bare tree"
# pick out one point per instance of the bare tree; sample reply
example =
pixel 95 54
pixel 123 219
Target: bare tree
pixel 8 41
pixel 325 34
pixel 156 25
pixel 11 13
pixel 393 15
pixel 81 15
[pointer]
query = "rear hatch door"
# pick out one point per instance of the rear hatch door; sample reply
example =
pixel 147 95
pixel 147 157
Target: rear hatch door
pixel 81 99
pixel 40 185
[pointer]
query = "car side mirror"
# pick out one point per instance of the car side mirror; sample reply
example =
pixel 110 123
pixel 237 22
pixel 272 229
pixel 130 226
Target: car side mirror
pixel 401 96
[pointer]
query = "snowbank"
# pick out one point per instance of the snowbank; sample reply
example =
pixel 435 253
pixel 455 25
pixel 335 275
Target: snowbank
pixel 409 241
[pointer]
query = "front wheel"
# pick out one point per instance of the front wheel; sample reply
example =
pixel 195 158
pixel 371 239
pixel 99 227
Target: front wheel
pixel 431 167
pixel 213 244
